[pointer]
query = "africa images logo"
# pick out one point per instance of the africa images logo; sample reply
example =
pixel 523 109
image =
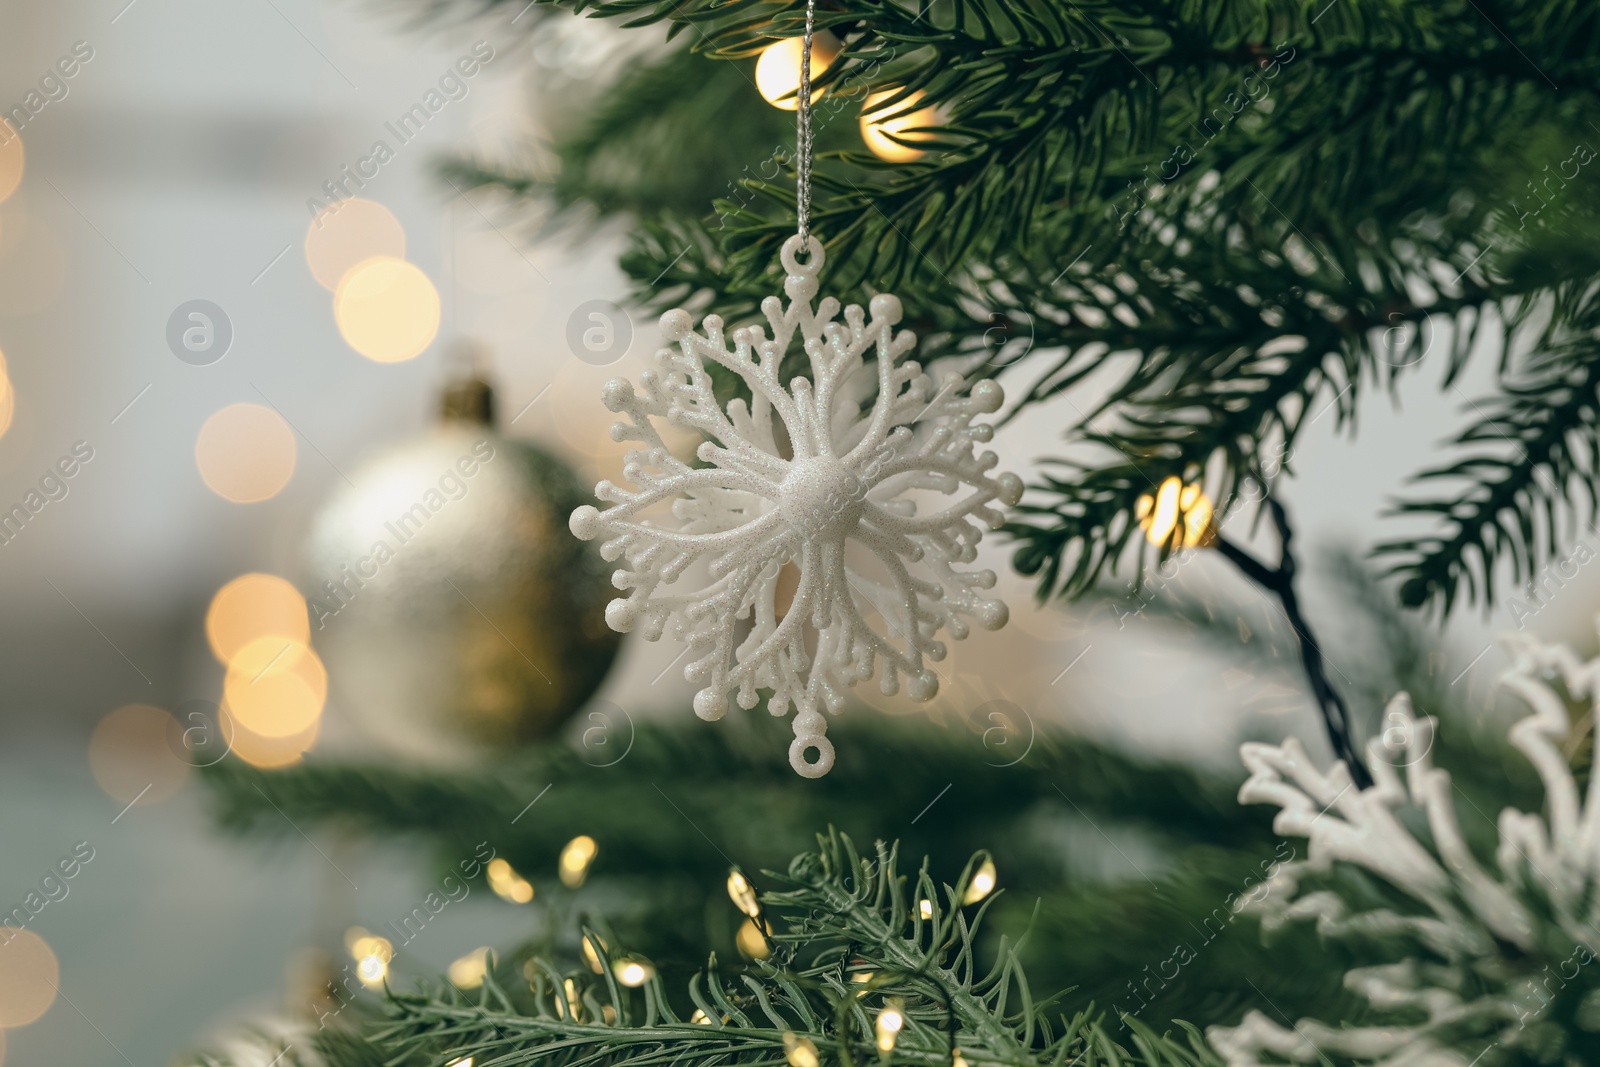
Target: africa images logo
pixel 453 85
pixel 53 88
pixel 53 486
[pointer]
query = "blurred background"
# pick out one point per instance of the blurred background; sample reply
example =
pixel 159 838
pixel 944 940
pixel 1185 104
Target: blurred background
pixel 184 160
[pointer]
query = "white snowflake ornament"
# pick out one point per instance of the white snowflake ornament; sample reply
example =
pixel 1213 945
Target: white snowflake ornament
pixel 876 506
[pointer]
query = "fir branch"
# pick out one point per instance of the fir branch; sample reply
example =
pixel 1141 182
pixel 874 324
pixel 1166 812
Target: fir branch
pixel 1228 375
pixel 688 796
pixel 732 782
pixel 853 944
pixel 1180 186
pixel 1532 451
pixel 1078 117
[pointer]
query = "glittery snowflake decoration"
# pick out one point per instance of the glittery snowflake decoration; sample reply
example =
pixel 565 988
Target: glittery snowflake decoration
pixel 875 507
pixel 1486 965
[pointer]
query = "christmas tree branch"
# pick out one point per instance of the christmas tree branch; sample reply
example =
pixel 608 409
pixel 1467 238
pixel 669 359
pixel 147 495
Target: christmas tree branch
pixel 1533 448
pixel 688 795
pixel 732 780
pixel 862 969
pixel 1191 190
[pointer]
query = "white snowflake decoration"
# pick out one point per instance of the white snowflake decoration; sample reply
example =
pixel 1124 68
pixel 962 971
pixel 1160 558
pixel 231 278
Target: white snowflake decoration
pixel 798 475
pixel 1488 951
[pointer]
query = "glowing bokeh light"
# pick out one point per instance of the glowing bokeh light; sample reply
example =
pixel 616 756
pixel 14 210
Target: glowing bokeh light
pixel 254 606
pixel 508 885
pixel 348 232
pixel 133 754
pixel 245 453
pixel 1179 509
pixel 799 1051
pixel 275 687
pixel 574 1002
pixel 8 397
pixel 593 950
pixel 750 942
pixel 890 1022
pixel 11 159
pixel 468 972
pixel 387 309
pixel 576 857
pixel 633 973
pixel 743 894
pixel 778 69
pixel 878 123
pixel 371 954
pixel 982 884
pixel 267 753
pixel 372 970
pixel 29 976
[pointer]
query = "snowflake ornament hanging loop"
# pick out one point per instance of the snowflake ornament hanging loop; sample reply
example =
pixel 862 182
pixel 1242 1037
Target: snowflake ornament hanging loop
pixel 803 474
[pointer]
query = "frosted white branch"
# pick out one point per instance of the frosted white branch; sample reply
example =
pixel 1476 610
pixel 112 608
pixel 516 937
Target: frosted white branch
pixel 1489 954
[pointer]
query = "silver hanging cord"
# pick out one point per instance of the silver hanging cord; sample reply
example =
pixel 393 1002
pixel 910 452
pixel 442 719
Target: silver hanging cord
pixel 803 111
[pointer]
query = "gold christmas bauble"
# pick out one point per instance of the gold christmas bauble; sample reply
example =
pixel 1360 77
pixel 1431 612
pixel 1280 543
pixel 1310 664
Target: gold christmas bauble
pixel 456 615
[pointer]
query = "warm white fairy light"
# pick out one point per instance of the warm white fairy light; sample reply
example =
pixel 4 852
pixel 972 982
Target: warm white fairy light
pixel 469 971
pixel 891 1020
pixel 1176 509
pixel 982 884
pixel 574 1002
pixel 743 895
pixel 799 1051
pixel 372 970
pixel 751 941
pixel 594 951
pixel 371 953
pixel 507 884
pixel 884 127
pixel 778 69
pixel 633 973
pixel 576 859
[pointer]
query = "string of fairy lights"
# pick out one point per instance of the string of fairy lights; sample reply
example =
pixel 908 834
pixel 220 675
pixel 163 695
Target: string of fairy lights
pixel 885 127
pixel 372 953
pixel 800 1051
